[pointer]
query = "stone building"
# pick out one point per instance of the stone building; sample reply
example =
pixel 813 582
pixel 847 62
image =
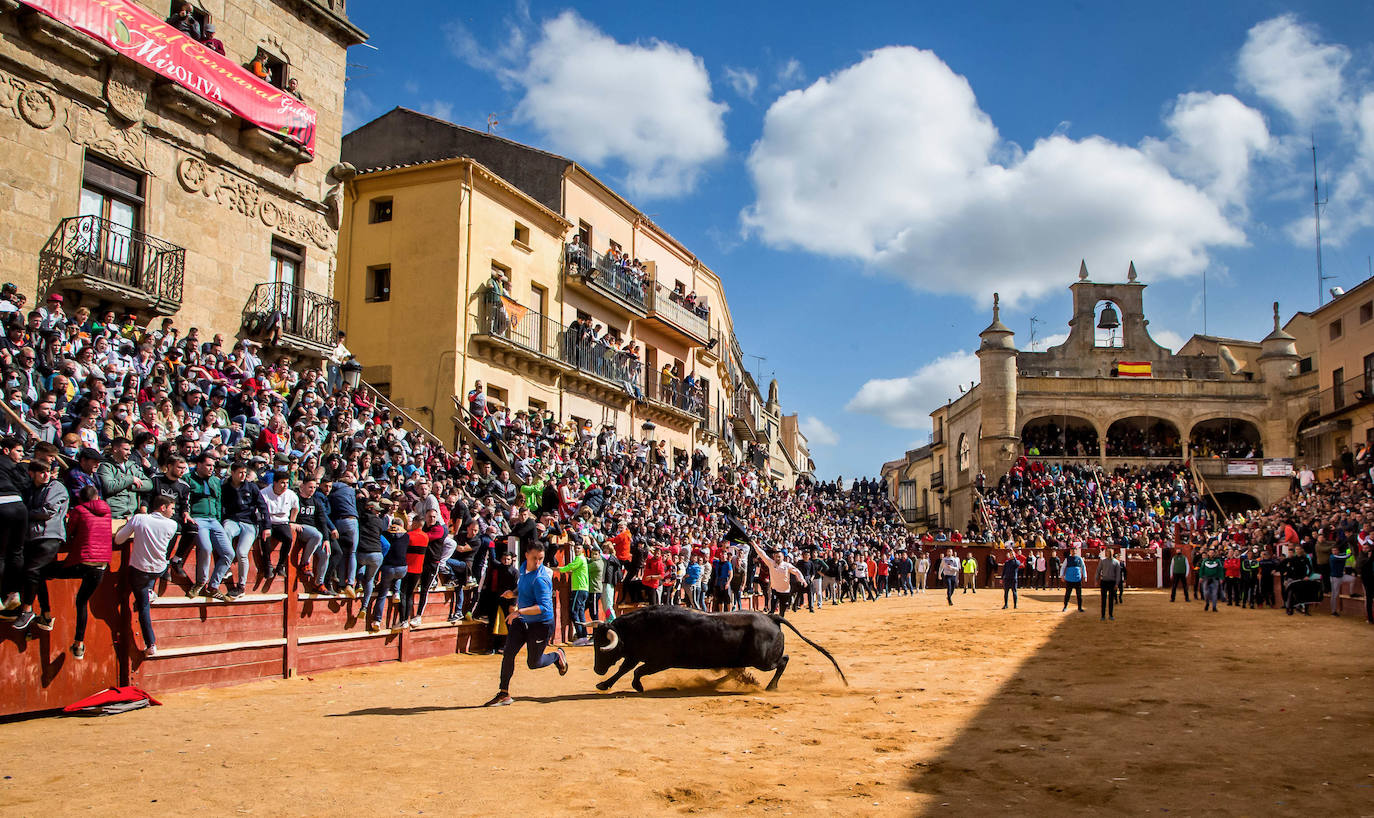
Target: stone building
pixel 145 173
pixel 1110 395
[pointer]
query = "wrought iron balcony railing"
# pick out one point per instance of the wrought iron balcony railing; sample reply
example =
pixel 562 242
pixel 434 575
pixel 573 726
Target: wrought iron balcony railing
pixel 547 337
pixel 671 307
pixel 87 252
pixel 288 315
pixel 674 392
pixel 606 274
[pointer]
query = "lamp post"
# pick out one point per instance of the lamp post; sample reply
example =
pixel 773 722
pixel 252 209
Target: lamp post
pixel 352 373
pixel 648 428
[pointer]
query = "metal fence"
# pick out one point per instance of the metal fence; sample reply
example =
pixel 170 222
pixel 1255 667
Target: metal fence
pixel 543 335
pixel 1349 392
pixel 101 249
pixel 674 392
pixel 601 271
pixel 302 313
pixel 668 304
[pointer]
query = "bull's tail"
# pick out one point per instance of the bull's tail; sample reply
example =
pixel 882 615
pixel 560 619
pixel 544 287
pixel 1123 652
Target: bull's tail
pixel 783 621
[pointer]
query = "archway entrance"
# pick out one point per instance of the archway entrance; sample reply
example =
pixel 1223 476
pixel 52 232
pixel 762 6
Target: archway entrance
pixel 1143 436
pixel 1225 437
pixel 1059 436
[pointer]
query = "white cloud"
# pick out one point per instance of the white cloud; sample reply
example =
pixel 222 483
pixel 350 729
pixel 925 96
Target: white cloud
pixel 1168 338
pixel 918 191
pixel 1213 140
pixel 644 105
pixel 1283 62
pixel 817 433
pixel 907 402
pixel 790 74
pixel 437 108
pixel 743 81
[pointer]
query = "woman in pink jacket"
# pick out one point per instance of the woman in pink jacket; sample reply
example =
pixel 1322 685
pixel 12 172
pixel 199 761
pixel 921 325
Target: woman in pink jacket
pixel 89 543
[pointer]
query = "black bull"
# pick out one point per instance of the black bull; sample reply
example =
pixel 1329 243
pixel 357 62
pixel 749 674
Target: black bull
pixel 654 639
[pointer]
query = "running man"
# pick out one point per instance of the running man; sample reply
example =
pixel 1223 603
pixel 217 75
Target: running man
pixel 949 573
pixel 530 624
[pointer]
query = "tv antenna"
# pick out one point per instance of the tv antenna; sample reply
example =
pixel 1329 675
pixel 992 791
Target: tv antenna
pixel 1317 205
pixel 1033 322
pixel 492 122
pixel 758 368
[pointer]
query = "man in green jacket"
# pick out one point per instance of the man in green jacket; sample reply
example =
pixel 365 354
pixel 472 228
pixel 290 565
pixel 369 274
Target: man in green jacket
pixel 578 568
pixel 122 481
pixel 1178 573
pixel 596 572
pixel 1213 572
pixel 206 513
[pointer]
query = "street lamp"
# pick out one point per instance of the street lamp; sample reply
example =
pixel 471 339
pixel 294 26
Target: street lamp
pixel 352 372
pixel 648 428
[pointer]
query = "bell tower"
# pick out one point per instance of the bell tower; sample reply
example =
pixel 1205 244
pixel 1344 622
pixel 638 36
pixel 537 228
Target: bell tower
pixel 997 403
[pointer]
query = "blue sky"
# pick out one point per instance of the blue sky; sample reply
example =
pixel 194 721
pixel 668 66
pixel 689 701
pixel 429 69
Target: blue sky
pixel 864 176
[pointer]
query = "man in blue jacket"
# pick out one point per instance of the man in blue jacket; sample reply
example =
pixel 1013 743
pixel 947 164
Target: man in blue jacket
pixel 1074 571
pixel 245 520
pixel 530 622
pixel 343 512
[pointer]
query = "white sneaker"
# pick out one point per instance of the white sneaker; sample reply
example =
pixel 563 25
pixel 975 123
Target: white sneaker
pixel 415 623
pixel 151 651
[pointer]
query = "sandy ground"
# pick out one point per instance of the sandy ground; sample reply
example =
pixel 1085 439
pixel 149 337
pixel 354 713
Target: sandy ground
pixel 959 711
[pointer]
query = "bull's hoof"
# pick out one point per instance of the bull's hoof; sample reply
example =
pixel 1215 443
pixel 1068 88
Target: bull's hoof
pixel 603 686
pixel 771 687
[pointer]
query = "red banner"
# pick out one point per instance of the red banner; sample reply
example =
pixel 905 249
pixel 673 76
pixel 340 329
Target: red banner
pixel 148 41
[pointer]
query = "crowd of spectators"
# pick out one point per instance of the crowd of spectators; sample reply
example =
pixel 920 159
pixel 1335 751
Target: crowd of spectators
pixel 201 28
pixel 1156 440
pixel 1223 443
pixel 1052 440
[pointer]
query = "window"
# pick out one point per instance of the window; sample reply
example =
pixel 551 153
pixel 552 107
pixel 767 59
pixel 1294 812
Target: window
pixel 275 68
pixel 379 210
pixel 584 233
pixel 288 262
pixel 1338 387
pixel 539 298
pixel 378 284
pixel 1366 312
pixel 496 394
pixel 522 236
pixel 1305 365
pixel 1336 329
pixel 537 408
pixel 1368 375
pixel 615 246
pixel 963 453
pixel 113 195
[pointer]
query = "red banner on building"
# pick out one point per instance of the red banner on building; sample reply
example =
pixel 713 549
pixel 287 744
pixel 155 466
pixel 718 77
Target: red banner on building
pixel 150 42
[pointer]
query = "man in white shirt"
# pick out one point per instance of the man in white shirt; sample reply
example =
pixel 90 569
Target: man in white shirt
pixel 780 573
pixel 152 535
pixel 283 506
pixel 922 571
pixel 949 573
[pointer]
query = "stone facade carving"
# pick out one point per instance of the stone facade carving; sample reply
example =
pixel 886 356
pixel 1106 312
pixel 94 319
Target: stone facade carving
pixel 31 103
pixel 126 92
pixel 94 130
pixel 246 198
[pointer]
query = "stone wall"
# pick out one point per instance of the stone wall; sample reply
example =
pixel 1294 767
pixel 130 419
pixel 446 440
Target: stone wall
pixel 213 186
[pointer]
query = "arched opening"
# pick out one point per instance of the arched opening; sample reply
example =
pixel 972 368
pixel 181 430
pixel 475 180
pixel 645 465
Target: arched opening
pixel 1225 437
pixel 963 453
pixel 1143 437
pixel 1107 325
pixel 1308 446
pixel 1237 502
pixel 1059 436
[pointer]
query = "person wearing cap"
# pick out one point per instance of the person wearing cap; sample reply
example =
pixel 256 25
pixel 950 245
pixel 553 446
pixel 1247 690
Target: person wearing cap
pixel 46 535
pixel 210 41
pixel 51 314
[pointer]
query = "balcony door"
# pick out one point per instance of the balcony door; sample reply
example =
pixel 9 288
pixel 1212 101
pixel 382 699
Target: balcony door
pixel 287 274
pixel 111 209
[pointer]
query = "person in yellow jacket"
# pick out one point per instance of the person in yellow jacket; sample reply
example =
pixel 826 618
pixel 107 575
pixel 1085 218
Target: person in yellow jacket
pixel 970 572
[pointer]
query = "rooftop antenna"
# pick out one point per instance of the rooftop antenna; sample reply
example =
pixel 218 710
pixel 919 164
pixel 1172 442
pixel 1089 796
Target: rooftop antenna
pixel 1204 300
pixel 492 122
pixel 1317 205
pixel 1033 321
pixel 758 361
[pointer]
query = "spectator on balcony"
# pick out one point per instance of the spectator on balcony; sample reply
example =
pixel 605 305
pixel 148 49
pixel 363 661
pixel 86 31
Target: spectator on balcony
pixel 259 66
pixel 184 21
pixel 209 40
pixel 497 291
pixel 293 88
pixel 666 383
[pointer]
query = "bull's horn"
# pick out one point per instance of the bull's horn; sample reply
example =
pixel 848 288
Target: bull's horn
pixel 613 639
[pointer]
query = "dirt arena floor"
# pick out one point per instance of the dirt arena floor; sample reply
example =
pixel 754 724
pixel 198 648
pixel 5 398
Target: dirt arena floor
pixel 962 710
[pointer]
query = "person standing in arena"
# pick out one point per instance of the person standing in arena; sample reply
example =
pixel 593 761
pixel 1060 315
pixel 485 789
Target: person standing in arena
pixel 530 623
pixel 922 571
pixel 970 566
pixel 1074 571
pixel 780 574
pixel 1109 572
pixel 1178 574
pixel 1212 570
pixel 949 574
pixel 1011 574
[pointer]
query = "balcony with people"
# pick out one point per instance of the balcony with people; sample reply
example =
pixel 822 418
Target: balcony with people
pixel 110 262
pixel 618 280
pixel 672 398
pixel 681 311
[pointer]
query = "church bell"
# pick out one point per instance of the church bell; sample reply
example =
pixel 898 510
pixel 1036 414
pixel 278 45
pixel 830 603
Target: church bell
pixel 1109 319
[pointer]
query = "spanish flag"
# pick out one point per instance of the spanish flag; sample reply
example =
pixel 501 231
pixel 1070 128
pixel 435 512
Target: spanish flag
pixel 1133 369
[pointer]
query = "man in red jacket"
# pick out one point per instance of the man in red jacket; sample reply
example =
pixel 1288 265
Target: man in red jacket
pixel 89 537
